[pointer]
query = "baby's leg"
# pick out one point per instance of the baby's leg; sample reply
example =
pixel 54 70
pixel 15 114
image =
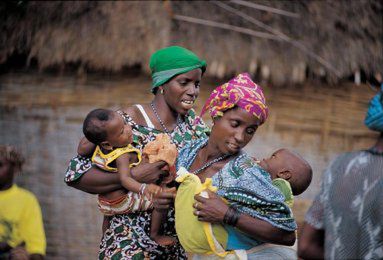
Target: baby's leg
pixel 105 224
pixel 157 219
pixel 110 196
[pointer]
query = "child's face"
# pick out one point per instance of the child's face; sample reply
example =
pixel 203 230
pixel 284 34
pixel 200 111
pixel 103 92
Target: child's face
pixel 275 163
pixel 119 134
pixel 6 173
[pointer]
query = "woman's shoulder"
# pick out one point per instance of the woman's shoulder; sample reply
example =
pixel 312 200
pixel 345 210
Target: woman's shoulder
pixel 192 118
pixel 135 115
pixel 193 145
pixel 188 151
pixel 197 124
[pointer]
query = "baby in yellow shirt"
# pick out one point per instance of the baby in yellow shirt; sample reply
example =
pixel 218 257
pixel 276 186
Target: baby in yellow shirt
pixel 21 224
pixel 114 153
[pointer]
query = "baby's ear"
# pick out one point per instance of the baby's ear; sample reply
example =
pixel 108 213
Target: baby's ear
pixel 106 145
pixel 284 174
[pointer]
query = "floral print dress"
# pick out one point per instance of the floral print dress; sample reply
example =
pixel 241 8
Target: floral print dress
pixel 128 235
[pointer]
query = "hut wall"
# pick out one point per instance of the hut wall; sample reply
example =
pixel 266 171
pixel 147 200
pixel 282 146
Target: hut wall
pixel 43 116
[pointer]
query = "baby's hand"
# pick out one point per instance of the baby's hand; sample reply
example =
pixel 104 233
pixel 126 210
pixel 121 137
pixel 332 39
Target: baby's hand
pixel 151 190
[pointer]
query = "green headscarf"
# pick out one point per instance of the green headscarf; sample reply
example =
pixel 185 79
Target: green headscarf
pixel 171 61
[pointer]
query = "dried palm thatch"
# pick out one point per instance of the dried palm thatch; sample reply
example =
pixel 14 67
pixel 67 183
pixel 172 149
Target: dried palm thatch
pixel 346 34
pixel 96 35
pixel 305 35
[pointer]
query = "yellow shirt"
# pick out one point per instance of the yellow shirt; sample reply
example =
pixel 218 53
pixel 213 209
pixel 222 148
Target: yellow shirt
pixel 21 220
pixel 104 161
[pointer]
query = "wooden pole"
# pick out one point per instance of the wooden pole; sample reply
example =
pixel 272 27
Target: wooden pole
pixel 226 27
pixel 280 35
pixel 265 8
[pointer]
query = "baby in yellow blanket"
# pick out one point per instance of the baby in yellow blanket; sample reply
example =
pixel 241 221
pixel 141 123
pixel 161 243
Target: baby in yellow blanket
pixel 289 172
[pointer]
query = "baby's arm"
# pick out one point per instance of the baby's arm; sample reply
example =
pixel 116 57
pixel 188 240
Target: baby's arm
pixel 85 147
pixel 128 182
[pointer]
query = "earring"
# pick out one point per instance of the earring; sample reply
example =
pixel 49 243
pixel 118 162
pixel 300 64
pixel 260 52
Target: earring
pixel 162 91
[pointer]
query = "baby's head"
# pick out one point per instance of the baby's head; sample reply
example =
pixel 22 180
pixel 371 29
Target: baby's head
pixel 107 129
pixel 290 166
pixel 11 162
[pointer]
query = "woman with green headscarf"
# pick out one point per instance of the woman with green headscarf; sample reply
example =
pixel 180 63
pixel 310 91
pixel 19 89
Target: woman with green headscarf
pixel 176 75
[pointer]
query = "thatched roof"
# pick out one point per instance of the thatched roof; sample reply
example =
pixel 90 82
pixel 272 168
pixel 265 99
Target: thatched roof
pixel 96 35
pixel 346 35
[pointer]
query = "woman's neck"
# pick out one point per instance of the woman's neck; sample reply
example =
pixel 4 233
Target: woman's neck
pixel 166 113
pixel 210 151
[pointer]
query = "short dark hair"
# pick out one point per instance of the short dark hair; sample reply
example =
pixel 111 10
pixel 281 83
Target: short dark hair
pixel 13 156
pixel 94 127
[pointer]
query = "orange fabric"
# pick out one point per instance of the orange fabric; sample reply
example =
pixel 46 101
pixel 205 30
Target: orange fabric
pixel 161 149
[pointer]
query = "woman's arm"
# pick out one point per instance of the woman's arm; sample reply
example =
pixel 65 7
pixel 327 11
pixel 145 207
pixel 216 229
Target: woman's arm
pixel 311 243
pixel 85 147
pixel 97 181
pixel 264 231
pixel 213 210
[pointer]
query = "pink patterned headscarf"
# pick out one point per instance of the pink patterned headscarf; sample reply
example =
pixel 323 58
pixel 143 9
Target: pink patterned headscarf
pixel 240 91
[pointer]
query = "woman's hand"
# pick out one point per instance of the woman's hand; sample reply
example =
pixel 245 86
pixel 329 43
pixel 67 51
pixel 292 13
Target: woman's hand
pixel 212 209
pixel 164 199
pixel 147 172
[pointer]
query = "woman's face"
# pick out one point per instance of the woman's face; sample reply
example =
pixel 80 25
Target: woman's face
pixel 234 130
pixel 181 91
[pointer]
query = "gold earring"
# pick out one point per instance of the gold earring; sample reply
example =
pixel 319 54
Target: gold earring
pixel 162 91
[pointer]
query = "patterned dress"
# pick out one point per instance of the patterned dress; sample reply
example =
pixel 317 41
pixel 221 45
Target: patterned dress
pixel 247 187
pixel 128 235
pixel 349 207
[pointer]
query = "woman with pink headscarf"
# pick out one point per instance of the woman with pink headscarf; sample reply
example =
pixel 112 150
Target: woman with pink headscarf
pixel 255 213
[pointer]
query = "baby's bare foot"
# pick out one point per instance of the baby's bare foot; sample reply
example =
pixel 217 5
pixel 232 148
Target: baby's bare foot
pixel 165 240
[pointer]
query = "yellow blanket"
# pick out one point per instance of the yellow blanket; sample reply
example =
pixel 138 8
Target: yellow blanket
pixel 196 236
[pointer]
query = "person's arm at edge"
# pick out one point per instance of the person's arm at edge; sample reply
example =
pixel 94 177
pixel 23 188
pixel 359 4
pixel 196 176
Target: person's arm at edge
pixel 32 228
pixel 311 243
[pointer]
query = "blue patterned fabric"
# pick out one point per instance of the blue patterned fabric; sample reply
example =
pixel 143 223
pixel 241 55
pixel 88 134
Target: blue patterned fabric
pixel 246 186
pixel 374 116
